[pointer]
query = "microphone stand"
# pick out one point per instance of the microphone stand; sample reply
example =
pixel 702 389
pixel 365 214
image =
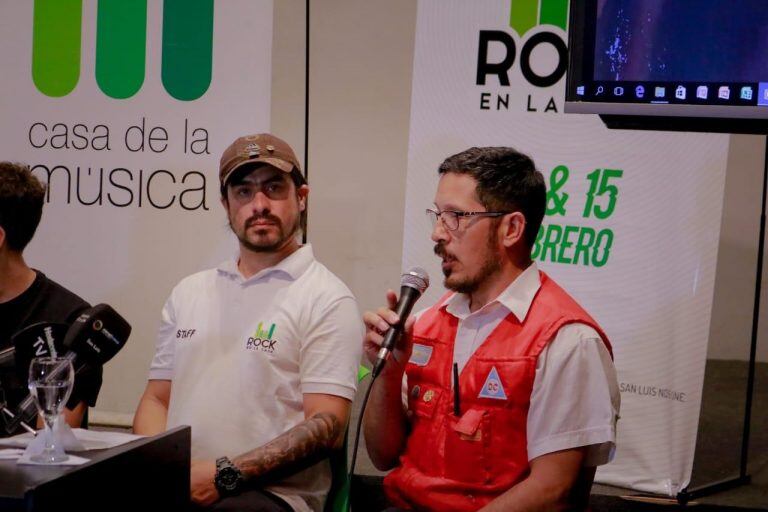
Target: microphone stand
pixel 11 416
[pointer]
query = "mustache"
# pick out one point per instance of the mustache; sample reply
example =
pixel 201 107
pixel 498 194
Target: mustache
pixel 267 216
pixel 441 251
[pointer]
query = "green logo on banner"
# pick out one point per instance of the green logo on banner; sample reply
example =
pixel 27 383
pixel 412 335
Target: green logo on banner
pixel 526 14
pixel 121 32
pixel 523 16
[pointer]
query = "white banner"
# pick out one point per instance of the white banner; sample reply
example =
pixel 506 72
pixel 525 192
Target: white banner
pixel 124 108
pixel 632 217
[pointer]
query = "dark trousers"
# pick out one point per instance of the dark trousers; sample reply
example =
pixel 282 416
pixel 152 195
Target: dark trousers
pixel 255 500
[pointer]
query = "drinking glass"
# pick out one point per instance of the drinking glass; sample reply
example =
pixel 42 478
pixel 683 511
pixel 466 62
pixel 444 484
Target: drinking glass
pixel 50 382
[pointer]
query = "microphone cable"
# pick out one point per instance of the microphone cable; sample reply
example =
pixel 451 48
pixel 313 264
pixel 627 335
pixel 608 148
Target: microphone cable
pixel 357 429
pixel 412 285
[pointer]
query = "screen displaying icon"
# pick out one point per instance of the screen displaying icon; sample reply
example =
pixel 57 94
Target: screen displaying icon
pixel 724 92
pixel 659 92
pixel 702 91
pixel 580 90
pixel 746 93
pixel 680 92
pixel 618 91
pixel 762 94
pixel 639 91
pixel 600 90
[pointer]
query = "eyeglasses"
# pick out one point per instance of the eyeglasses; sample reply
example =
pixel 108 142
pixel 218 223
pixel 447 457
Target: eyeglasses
pixel 450 218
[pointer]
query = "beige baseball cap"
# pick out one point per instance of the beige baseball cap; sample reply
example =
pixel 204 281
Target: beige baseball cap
pixel 253 149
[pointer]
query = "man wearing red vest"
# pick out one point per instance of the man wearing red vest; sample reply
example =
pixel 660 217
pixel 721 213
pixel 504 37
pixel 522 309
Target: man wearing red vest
pixel 537 393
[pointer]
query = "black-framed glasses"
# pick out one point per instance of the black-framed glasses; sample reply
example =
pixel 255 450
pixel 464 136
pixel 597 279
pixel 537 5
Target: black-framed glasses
pixel 450 218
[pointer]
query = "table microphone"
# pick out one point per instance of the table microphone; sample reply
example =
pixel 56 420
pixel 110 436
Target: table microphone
pixel 37 340
pixel 93 339
pixel 40 339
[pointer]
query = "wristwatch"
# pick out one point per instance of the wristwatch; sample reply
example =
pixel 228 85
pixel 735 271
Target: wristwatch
pixel 228 480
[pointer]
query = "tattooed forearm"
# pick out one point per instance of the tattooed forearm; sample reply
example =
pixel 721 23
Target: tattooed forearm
pixel 298 448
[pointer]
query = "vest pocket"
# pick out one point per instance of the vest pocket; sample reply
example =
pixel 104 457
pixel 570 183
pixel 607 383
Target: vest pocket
pixel 504 391
pixel 466 447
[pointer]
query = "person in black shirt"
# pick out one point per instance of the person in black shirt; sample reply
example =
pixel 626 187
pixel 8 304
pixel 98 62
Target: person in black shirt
pixel 27 296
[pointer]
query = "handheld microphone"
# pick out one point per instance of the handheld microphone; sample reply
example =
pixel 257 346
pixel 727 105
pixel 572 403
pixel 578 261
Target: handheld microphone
pixel 412 285
pixel 94 338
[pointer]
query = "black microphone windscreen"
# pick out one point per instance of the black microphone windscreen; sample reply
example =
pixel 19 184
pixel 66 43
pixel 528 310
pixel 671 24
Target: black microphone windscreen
pixel 98 334
pixel 41 339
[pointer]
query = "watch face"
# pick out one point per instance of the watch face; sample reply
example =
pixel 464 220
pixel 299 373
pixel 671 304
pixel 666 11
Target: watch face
pixel 228 478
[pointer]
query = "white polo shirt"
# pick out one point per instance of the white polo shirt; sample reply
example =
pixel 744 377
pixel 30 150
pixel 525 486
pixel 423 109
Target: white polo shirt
pixel 575 398
pixel 242 352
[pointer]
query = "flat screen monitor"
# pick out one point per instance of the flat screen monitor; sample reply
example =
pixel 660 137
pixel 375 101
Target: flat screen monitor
pixel 685 58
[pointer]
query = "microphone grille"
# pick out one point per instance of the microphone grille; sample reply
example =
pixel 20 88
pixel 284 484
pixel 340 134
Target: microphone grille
pixel 415 277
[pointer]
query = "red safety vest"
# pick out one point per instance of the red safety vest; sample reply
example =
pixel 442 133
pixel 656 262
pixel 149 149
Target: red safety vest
pixel 461 463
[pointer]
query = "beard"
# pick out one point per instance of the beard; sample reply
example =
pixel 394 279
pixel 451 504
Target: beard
pixel 469 284
pixel 266 242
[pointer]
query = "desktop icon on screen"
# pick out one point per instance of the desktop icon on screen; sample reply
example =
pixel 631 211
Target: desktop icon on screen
pixel 724 92
pixel 659 92
pixel 618 91
pixel 746 93
pixel 702 91
pixel 580 90
pixel 680 92
pixel 762 95
pixel 600 90
pixel 639 91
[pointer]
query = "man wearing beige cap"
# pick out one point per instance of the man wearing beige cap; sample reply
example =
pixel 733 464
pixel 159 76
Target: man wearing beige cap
pixel 258 355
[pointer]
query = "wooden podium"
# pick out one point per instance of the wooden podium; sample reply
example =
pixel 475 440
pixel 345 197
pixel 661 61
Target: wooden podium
pixel 147 474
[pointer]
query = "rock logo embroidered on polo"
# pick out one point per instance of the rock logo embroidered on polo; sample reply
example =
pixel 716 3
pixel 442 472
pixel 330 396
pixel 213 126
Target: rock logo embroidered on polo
pixel 421 354
pixel 493 387
pixel 262 339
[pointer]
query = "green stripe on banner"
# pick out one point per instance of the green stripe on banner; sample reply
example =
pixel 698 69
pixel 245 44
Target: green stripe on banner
pixel 120 46
pixel 56 46
pixel 187 47
pixel 523 14
pixel 554 12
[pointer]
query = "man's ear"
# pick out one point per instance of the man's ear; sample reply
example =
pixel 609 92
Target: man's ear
pixel 512 229
pixel 303 194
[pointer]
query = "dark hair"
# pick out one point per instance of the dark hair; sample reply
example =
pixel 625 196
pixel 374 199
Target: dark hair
pixel 297 178
pixel 21 204
pixel 507 181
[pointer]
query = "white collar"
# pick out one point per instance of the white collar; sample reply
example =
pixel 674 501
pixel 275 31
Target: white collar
pixel 292 265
